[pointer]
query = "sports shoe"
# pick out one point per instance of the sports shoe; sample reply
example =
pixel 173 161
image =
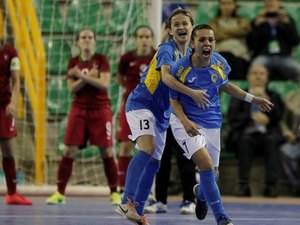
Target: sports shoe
pixel 156 207
pixel 128 211
pixel 115 198
pixel 17 199
pixel 224 221
pixel 56 199
pixel 187 207
pixel 201 206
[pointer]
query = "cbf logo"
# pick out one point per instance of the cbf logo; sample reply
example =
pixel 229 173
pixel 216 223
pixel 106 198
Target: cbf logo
pixel 214 77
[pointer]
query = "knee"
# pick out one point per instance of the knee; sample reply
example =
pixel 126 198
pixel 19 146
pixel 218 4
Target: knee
pixel 70 151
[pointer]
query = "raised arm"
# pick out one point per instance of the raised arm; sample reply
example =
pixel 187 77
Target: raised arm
pixel 264 104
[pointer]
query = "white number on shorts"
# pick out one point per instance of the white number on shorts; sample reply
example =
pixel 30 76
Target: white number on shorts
pixel 144 124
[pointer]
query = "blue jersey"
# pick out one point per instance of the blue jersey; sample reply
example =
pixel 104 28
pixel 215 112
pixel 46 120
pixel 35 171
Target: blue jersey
pixel 151 93
pixel 207 79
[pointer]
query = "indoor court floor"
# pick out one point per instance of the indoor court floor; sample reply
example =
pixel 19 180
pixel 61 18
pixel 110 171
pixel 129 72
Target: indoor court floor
pixel 98 211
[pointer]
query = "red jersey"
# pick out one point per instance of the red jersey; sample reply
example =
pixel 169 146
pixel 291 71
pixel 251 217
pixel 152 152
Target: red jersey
pixel 132 67
pixel 90 97
pixel 7 53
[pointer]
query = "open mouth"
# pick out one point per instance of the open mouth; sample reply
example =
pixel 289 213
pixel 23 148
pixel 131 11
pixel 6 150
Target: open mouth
pixel 182 33
pixel 206 52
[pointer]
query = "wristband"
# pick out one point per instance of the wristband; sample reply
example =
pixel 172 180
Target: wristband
pixel 248 98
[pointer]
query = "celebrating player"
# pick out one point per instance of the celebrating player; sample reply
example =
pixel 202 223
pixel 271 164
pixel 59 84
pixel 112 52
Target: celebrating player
pixel 148 111
pixel 197 130
pixel 132 65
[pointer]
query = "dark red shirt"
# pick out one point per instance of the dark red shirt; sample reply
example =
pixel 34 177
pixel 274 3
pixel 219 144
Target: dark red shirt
pixel 89 96
pixel 7 53
pixel 132 67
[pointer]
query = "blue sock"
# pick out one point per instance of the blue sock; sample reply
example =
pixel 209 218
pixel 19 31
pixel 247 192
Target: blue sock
pixel 134 174
pixel 201 196
pixel 212 193
pixel 144 189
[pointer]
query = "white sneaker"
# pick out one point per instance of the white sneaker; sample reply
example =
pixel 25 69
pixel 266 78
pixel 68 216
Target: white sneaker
pixel 156 207
pixel 187 207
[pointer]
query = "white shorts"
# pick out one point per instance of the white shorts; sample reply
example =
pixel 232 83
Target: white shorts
pixel 209 138
pixel 142 122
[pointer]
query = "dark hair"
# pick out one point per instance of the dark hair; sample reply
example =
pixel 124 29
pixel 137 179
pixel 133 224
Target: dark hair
pixel 200 27
pixel 233 14
pixel 179 11
pixel 143 26
pixel 86 28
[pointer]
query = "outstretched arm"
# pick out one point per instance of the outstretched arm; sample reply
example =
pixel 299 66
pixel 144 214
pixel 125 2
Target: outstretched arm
pixel 264 104
pixel 200 97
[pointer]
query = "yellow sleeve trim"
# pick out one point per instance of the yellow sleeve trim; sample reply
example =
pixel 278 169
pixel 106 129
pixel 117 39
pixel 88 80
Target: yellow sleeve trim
pixel 220 71
pixel 184 73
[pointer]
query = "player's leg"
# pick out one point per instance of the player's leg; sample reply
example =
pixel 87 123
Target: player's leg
pixel 7 132
pixel 186 168
pixel 74 137
pixel 100 130
pixel 210 188
pixel 125 148
pixel 147 179
pixel 162 179
pixel 142 125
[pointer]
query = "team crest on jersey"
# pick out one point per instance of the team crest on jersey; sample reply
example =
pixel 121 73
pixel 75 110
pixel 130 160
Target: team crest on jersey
pixel 214 77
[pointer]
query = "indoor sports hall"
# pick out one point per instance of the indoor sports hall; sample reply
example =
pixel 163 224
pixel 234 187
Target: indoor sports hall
pixel 44 35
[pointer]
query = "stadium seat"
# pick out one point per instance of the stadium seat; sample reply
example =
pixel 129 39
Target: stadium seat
pixel 120 13
pixel 58 97
pixel 58 52
pixel 294 11
pixel 283 87
pixel 249 9
pixel 205 12
pixel 50 17
pixel 83 14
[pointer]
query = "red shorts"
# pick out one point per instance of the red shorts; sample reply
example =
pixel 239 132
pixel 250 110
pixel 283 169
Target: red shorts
pixel 7 125
pixel 123 127
pixel 93 125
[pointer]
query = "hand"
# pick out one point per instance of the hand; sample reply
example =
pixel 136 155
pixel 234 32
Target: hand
pixel 263 104
pixel 191 128
pixel 10 109
pixel 94 72
pixel 201 98
pixel 74 72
